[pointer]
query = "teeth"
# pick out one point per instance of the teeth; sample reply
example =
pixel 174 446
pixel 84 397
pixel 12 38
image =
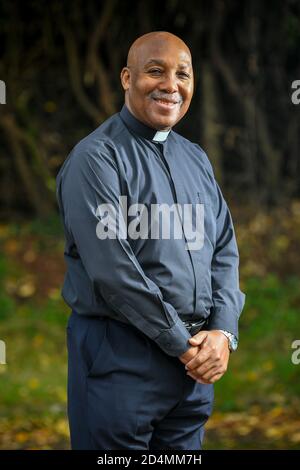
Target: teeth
pixel 166 102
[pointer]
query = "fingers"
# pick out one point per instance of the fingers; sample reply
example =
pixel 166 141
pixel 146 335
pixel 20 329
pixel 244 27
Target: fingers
pixel 198 338
pixel 194 376
pixel 197 379
pixel 210 373
pixel 210 363
pixel 209 369
pixel 213 378
pixel 210 354
pixel 204 368
pixel 198 360
pixel 209 378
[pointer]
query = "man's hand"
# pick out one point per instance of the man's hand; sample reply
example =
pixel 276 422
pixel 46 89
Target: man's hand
pixel 209 362
pixel 189 354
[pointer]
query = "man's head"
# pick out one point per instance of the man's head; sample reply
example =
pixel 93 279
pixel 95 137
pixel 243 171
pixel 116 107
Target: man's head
pixel 158 79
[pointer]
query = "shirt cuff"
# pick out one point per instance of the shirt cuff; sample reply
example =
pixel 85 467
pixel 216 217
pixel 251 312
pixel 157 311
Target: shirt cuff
pixel 174 340
pixel 224 318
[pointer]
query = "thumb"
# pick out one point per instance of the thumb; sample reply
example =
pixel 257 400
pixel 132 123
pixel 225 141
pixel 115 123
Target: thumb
pixel 198 338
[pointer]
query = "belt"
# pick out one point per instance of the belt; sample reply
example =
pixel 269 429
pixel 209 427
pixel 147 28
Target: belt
pixel 194 327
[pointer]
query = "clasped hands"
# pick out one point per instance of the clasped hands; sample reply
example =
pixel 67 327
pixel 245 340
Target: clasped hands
pixel 207 359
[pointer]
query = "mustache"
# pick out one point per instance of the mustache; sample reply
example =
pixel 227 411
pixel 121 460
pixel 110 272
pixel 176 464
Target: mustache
pixel 173 98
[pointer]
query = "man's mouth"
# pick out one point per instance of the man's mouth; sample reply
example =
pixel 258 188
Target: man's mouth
pixel 166 103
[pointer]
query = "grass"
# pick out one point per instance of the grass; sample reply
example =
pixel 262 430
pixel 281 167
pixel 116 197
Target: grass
pixel 256 402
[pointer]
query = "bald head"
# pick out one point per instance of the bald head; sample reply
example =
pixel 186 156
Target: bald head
pixel 158 79
pixel 154 39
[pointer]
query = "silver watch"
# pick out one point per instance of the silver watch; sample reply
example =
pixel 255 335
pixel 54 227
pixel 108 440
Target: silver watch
pixel 232 340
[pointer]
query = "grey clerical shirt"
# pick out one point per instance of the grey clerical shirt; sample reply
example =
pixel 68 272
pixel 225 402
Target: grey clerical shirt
pixel 154 282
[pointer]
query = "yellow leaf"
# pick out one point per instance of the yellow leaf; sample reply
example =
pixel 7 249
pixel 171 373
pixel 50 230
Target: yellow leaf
pixel 33 383
pixel 21 437
pixel 26 289
pixel 62 427
pixel 295 437
pixel 252 376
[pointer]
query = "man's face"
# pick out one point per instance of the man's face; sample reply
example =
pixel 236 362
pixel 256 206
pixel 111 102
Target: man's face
pixel 159 82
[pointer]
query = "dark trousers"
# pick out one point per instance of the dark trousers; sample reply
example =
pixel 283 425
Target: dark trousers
pixel 124 392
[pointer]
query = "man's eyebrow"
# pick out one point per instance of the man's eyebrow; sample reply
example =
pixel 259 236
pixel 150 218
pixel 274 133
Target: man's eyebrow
pixel 183 65
pixel 187 65
pixel 155 61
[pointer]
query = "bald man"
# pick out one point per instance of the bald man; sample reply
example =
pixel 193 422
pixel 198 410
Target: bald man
pixel 152 266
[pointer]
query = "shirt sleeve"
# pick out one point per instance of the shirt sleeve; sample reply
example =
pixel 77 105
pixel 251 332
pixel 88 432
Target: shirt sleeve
pixel 228 299
pixel 91 180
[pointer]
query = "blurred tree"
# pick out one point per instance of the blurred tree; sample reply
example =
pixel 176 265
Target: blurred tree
pixel 61 63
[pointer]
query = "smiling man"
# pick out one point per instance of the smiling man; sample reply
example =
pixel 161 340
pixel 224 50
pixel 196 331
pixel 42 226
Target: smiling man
pixel 158 80
pixel 153 318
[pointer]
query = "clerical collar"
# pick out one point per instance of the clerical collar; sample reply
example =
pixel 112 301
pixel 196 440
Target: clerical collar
pixel 140 128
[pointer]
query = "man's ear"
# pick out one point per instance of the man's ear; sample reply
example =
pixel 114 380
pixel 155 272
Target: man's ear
pixel 125 78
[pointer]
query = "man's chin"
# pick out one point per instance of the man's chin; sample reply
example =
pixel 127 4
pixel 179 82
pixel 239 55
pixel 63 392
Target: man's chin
pixel 162 123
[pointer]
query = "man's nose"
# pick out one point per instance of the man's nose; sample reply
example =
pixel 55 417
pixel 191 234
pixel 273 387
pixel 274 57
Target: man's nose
pixel 169 84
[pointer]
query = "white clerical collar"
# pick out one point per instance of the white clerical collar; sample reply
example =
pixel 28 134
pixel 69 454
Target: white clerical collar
pixel 161 136
pixel 140 128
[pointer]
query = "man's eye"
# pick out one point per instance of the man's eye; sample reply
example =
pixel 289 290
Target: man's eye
pixel 155 71
pixel 183 75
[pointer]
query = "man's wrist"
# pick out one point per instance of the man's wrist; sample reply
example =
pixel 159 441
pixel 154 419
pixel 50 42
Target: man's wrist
pixel 232 340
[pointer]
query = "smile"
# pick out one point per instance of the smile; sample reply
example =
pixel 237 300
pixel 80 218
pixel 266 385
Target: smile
pixel 166 103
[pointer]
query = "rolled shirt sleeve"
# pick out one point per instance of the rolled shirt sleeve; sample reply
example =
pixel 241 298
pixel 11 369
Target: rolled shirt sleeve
pixel 93 179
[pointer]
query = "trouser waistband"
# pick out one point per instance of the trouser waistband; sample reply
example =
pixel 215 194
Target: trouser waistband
pixel 195 327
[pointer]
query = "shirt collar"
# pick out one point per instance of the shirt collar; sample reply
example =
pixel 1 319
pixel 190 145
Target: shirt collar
pixel 140 128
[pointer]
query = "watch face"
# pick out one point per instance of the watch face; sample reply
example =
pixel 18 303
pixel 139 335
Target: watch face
pixel 233 344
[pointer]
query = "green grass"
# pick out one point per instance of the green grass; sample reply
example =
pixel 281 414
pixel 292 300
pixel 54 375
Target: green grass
pixel 262 367
pixel 33 380
pixel 260 378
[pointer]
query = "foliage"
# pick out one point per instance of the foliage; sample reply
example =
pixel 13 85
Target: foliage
pixel 257 401
pixel 61 67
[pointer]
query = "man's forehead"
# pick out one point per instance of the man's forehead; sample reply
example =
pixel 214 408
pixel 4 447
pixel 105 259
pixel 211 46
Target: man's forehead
pixel 163 45
pixel 160 48
pixel 163 56
pixel 183 62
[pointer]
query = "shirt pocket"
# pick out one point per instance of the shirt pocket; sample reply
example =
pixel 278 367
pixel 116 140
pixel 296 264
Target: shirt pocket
pixel 202 197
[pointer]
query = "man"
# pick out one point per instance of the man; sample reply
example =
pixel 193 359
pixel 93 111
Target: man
pixel 154 316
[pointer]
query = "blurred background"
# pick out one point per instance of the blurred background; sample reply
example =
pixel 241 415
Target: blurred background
pixel 61 63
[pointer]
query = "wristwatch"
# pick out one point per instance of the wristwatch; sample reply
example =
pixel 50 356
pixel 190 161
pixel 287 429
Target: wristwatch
pixel 232 340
